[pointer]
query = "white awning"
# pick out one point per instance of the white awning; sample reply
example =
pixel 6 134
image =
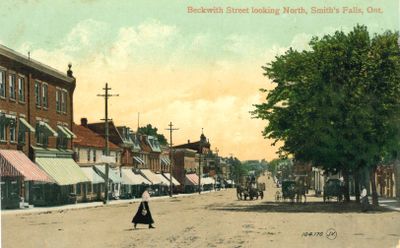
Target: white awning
pixel 63 131
pixel 70 132
pixel 26 124
pixel 130 178
pixel 47 126
pixel 165 161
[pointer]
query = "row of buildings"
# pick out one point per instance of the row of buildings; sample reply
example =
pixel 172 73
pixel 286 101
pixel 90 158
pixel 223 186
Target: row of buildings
pixel 47 159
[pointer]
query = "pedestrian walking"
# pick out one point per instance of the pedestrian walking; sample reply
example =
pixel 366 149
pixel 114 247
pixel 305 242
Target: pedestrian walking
pixel 143 214
pixel 364 199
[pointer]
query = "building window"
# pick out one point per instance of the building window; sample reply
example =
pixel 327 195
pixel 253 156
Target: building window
pixel 42 139
pixel 63 101
pixel 2 131
pixel 88 155
pixel 13 133
pixel 11 81
pixel 21 135
pixel 58 105
pixel 2 83
pixel 77 157
pixel 21 89
pixel 62 142
pixel 37 93
pixel 94 155
pixel 45 95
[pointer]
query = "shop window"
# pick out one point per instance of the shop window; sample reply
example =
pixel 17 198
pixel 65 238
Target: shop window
pixel 21 89
pixel 11 81
pixel 37 93
pixel 78 189
pixel 2 83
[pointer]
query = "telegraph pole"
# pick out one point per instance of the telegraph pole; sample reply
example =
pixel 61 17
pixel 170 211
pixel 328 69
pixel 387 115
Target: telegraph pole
pixel 170 129
pixel 107 150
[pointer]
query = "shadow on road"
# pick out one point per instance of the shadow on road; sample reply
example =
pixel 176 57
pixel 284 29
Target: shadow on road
pixel 310 207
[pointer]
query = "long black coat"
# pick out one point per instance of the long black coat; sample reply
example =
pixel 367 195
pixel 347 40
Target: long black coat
pixel 143 219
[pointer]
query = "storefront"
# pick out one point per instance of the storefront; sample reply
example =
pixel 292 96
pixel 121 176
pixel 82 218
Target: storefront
pixel 191 183
pixel 133 184
pixel 115 180
pixel 94 190
pixel 18 175
pixel 154 179
pixel 66 175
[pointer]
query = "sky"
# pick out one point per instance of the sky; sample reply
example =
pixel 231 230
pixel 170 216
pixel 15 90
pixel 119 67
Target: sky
pixel 194 70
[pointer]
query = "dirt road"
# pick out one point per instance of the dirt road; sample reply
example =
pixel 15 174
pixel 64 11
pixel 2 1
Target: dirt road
pixel 215 219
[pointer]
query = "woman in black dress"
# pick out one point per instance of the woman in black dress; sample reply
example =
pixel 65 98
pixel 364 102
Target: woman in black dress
pixel 143 215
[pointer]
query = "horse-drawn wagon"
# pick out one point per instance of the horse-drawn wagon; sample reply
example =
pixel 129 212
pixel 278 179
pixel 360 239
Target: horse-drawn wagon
pixel 291 190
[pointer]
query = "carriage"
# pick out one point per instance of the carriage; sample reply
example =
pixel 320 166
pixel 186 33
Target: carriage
pixel 292 190
pixel 333 189
pixel 252 191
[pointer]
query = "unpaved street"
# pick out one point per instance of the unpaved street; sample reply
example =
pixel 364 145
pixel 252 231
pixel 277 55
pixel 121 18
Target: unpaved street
pixel 214 219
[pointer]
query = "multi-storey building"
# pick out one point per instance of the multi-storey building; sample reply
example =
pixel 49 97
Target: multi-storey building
pixel 36 112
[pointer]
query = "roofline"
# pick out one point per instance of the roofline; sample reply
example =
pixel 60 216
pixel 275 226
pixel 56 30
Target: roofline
pixel 11 54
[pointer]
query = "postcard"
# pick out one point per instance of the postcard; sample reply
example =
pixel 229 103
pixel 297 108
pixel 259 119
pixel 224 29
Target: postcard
pixel 200 123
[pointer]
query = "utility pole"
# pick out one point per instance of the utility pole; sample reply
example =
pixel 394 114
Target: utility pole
pixel 200 152
pixel 170 129
pixel 107 150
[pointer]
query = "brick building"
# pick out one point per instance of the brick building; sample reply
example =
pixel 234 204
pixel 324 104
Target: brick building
pixel 36 113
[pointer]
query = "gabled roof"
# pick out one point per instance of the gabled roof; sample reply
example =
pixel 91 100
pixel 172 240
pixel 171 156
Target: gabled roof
pixel 87 138
pixel 114 135
pixel 153 143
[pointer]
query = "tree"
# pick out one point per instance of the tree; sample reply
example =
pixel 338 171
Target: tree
pixel 336 105
pixel 152 131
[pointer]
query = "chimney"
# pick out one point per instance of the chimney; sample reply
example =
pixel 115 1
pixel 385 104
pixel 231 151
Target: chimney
pixel 188 141
pixel 84 122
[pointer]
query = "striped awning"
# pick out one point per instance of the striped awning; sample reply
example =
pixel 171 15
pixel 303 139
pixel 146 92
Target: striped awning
pixel 130 178
pixel 149 175
pixel 165 161
pixel 64 171
pixel 174 181
pixel 113 174
pixel 191 179
pixel 16 163
pixel 138 159
pixel 92 175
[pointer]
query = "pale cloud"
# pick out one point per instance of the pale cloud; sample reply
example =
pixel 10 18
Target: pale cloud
pixel 148 66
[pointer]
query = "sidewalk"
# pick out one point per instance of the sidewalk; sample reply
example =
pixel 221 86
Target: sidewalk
pixel 391 203
pixel 51 209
